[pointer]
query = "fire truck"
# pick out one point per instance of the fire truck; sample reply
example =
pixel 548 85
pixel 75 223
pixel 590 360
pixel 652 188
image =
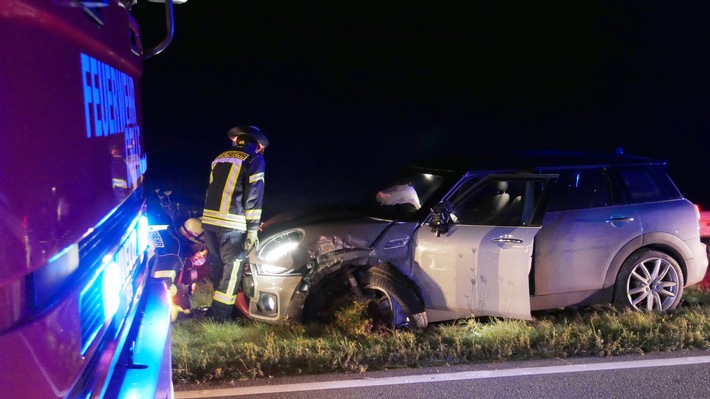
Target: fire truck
pixel 80 314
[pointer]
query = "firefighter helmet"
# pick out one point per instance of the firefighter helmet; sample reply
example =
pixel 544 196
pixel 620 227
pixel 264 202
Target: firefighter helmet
pixel 251 131
pixel 192 230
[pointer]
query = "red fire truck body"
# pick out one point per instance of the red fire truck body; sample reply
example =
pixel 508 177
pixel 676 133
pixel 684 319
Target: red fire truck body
pixel 80 314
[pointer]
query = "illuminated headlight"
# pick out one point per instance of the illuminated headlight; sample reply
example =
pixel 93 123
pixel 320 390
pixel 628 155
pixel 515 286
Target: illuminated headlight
pixel 266 268
pixel 276 250
pixel 280 251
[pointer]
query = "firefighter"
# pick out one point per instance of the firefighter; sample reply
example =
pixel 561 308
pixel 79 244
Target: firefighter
pixel 171 268
pixel 232 214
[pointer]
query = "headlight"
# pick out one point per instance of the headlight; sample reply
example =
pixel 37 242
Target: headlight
pixel 280 251
pixel 266 268
pixel 275 251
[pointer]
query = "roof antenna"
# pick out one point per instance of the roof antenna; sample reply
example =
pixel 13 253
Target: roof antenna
pixel 619 151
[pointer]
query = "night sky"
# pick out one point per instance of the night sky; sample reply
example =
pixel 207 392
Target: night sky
pixel 350 94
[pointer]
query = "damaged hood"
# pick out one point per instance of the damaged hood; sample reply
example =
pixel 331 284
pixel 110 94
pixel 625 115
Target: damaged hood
pixel 336 224
pixel 307 217
pixel 318 232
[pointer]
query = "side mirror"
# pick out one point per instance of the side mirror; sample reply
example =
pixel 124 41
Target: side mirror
pixel 440 218
pixel 170 27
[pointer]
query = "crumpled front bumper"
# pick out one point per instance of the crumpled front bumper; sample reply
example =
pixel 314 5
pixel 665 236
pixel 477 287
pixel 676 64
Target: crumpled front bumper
pixel 274 299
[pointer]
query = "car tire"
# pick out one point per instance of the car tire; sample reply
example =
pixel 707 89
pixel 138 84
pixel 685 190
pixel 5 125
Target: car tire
pixel 394 296
pixel 392 301
pixel 649 280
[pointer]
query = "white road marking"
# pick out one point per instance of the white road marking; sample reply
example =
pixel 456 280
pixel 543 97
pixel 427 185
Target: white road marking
pixel 440 377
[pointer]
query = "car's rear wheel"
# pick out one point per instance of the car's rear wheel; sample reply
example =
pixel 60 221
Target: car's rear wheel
pixel 649 280
pixel 390 298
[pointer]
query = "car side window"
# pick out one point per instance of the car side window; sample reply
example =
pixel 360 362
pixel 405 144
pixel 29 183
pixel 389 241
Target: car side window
pixel 463 188
pixel 498 202
pixel 641 184
pixel 581 189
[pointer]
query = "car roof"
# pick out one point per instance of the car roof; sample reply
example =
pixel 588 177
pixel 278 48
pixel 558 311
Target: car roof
pixel 531 160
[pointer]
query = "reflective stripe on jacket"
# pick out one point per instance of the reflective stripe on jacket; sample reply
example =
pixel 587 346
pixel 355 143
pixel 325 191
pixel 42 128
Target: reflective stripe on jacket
pixel 235 194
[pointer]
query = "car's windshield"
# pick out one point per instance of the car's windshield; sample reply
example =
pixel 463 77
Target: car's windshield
pixel 404 198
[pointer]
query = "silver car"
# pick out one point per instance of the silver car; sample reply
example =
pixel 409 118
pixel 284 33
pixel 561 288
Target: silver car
pixel 490 236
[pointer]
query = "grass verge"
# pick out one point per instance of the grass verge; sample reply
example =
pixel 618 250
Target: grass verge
pixel 207 352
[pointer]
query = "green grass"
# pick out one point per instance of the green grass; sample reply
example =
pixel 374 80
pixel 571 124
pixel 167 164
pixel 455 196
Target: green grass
pixel 208 352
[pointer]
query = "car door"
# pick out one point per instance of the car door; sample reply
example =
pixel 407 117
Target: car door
pixel 585 226
pixel 481 264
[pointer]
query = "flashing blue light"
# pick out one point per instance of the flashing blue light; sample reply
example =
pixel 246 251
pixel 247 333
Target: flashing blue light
pixel 111 283
pixel 143 233
pixel 61 253
pixel 150 346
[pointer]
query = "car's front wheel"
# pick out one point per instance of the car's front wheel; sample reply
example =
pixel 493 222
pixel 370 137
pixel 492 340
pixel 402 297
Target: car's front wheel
pixel 391 300
pixel 649 280
pixel 396 304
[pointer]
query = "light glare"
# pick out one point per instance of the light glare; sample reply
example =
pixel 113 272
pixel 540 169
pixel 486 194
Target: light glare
pixel 280 251
pixel 111 289
pixel 142 233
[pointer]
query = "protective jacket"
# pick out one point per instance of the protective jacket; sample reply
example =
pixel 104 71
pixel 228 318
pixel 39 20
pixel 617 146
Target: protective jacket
pixel 235 194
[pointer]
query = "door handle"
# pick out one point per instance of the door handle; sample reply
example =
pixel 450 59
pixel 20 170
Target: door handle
pixel 623 219
pixel 508 239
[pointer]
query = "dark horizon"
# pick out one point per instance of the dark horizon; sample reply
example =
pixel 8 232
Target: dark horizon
pixel 349 96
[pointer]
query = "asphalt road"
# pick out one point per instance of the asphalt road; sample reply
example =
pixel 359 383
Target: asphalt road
pixel 656 375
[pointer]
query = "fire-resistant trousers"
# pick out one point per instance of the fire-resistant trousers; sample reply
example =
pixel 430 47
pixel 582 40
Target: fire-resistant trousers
pixel 226 254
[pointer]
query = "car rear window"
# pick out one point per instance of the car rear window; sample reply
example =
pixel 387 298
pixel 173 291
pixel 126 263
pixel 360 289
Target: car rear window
pixel 646 184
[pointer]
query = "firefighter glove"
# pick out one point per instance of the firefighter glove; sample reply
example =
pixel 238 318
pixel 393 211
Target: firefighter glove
pixel 175 311
pixel 252 240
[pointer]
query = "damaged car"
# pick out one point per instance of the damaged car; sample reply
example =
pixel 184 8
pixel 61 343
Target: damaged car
pixel 499 236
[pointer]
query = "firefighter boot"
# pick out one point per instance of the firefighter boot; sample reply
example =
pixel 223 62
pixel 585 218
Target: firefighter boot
pixel 220 312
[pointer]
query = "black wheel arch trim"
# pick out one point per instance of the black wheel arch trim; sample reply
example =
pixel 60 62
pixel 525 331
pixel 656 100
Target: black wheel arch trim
pixel 663 242
pixel 396 276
